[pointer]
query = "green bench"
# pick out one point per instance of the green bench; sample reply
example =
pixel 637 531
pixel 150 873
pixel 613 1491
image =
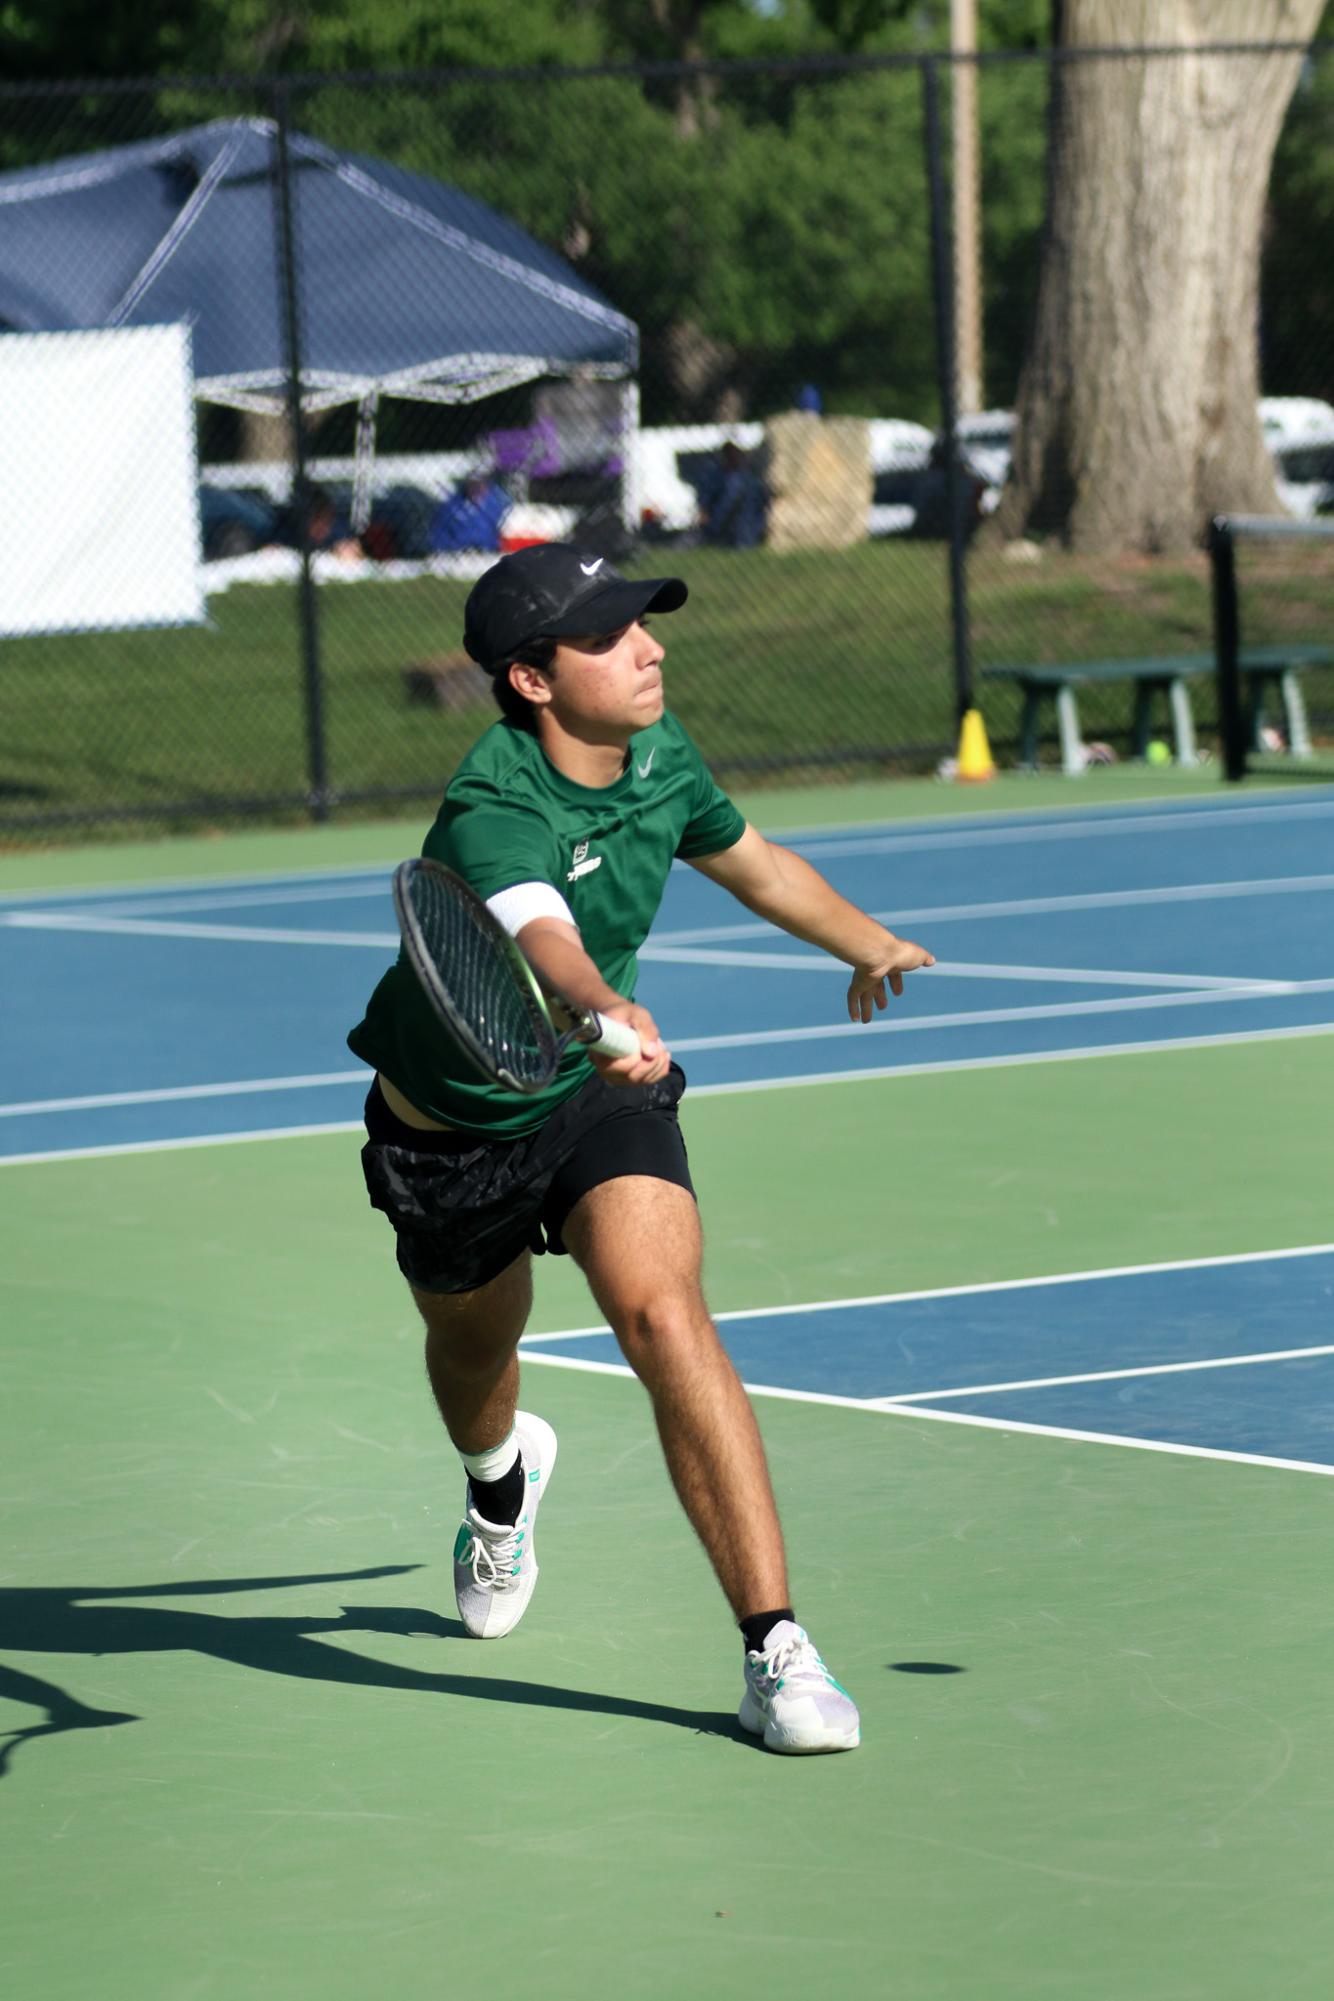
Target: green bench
pixel 1266 671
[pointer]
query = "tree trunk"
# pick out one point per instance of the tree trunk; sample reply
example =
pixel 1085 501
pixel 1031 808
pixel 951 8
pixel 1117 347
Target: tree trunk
pixel 681 21
pixel 1136 411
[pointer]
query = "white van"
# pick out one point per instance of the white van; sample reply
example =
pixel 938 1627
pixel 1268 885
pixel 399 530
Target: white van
pixel 1299 431
pixel 668 502
pixel 667 457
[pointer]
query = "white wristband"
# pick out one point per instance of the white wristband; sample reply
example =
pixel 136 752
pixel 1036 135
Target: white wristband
pixel 519 905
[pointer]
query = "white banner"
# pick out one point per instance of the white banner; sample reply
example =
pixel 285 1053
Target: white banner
pixel 99 502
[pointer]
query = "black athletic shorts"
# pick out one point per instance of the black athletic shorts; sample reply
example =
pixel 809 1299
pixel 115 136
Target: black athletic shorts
pixel 463 1208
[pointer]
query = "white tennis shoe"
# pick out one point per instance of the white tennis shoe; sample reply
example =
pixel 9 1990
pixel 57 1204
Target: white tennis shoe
pixel 793 1701
pixel 495 1565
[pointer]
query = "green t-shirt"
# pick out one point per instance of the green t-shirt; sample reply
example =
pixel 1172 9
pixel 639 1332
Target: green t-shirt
pixel 508 816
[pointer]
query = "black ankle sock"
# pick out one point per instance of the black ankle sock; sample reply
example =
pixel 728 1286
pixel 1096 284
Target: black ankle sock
pixel 755 1630
pixel 499 1500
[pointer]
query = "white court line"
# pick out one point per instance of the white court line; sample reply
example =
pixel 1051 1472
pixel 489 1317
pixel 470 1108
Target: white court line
pixel 891 1072
pixel 181 1145
pixel 978 1017
pixel 331 872
pixel 1061 830
pixel 805 962
pixel 872 1074
pixel 960 969
pixel 1104 1375
pixel 1031 906
pixel 150 927
pixel 1260 990
pixel 967 1418
pixel 1199 987
pixel 975 830
pixel 149 907
pixel 911 1404
pixel 985 1285
pixel 173 1093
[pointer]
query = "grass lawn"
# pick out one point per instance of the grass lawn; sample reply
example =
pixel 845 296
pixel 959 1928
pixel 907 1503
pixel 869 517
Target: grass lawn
pixel 840 659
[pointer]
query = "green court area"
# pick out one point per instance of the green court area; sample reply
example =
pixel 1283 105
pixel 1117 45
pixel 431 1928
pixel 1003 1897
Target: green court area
pixel 255 1756
pixel 35 866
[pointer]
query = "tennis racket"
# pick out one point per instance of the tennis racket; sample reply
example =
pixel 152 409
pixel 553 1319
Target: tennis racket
pixel 484 990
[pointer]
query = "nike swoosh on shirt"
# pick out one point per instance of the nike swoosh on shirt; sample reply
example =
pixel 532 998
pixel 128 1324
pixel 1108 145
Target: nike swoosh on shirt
pixel 591 569
pixel 647 766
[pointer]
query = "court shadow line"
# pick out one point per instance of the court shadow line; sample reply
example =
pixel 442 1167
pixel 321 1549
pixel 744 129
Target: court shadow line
pixel 96 1621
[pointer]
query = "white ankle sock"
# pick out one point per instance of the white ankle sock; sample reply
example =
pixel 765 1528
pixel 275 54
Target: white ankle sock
pixel 495 1462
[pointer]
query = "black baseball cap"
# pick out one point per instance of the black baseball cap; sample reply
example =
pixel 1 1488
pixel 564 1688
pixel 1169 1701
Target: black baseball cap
pixel 554 590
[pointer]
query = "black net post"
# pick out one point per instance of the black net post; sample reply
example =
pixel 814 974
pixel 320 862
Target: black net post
pixel 944 294
pixel 1227 647
pixel 308 610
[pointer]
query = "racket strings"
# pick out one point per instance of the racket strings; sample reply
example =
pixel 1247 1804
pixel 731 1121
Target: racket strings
pixel 479 982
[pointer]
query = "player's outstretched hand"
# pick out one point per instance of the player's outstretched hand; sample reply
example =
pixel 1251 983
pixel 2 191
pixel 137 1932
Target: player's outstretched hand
pixel 654 1057
pixel 866 992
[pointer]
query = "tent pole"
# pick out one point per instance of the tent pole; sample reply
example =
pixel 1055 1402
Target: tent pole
pixel 632 499
pixel 363 497
pixel 307 607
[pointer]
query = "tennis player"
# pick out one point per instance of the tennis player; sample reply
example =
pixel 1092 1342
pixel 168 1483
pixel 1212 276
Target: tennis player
pixel 566 816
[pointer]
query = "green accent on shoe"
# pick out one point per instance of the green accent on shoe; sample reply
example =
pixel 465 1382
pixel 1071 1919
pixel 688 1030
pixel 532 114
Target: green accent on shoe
pixel 536 1473
pixel 462 1542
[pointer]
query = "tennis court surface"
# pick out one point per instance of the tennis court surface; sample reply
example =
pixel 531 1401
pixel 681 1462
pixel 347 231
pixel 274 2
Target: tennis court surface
pixel 1033 1281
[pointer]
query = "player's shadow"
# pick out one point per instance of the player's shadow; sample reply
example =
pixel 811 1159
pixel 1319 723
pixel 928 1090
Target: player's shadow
pixel 97 1621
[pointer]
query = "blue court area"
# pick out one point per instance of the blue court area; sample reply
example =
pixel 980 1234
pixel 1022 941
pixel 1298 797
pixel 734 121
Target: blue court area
pixel 1229 1357
pixel 201 1011
pixel 184 1014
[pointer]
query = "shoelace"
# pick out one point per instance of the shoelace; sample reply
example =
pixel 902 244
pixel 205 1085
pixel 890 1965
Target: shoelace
pixel 495 1557
pixel 794 1659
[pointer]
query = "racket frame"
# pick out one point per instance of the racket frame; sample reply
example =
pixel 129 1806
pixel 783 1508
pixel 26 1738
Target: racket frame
pixel 585 1025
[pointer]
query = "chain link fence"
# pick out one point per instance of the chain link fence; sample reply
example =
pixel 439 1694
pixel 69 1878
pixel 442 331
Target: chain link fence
pixel 784 330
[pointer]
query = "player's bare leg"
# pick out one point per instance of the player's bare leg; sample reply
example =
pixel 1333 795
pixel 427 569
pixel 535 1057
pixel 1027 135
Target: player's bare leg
pixel 637 1240
pixel 471 1358
pixel 471 1343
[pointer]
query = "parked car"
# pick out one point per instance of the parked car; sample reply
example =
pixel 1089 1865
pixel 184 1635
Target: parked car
pixel 1295 420
pixel 900 453
pixel 235 520
pixel 1299 431
pixel 987 438
pixel 240 505
pixel 666 457
pixel 672 461
pixel 1306 479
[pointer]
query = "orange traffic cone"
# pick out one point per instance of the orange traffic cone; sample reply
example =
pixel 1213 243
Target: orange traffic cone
pixel 975 763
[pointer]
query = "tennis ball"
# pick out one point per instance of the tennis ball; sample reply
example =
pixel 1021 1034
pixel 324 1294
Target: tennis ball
pixel 1158 752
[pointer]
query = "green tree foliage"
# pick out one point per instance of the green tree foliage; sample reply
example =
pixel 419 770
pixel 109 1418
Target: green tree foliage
pixel 763 228
pixel 1297 325
pixel 52 41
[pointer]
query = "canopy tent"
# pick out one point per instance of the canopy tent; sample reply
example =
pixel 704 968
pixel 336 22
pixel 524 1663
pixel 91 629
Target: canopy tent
pixel 408 287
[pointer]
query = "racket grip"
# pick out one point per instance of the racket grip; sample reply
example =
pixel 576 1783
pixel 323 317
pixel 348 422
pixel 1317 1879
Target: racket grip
pixel 613 1038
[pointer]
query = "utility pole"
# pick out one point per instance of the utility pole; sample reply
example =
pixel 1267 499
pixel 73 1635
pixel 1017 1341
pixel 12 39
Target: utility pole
pixel 966 177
